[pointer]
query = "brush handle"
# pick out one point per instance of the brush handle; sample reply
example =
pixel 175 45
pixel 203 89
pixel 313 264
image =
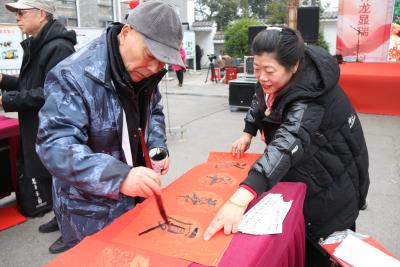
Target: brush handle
pixel 146 155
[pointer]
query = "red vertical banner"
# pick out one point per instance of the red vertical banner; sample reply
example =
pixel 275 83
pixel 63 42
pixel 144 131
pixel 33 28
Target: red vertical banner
pixel 363 29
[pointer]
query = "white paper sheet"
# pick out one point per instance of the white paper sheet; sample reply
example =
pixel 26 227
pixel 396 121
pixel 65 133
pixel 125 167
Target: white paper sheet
pixel 361 254
pixel 266 217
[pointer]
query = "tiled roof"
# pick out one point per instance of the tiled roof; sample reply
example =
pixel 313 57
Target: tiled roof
pixel 201 24
pixel 329 15
pixel 219 36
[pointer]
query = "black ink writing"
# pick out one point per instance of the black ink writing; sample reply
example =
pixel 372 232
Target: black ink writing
pixel 175 227
pixel 197 200
pixel 219 179
pixel 230 165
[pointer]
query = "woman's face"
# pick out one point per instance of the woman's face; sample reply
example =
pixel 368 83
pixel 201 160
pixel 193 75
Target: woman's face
pixel 271 75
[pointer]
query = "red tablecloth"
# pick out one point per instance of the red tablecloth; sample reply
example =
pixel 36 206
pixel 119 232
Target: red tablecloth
pixel 372 87
pixel 9 129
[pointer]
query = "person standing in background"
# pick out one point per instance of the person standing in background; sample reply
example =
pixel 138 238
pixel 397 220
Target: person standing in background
pixel 199 54
pixel 48 43
pixel 178 69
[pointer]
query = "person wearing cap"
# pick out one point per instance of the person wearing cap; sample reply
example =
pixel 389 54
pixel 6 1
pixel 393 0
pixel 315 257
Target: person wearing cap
pixel 48 43
pixel 95 102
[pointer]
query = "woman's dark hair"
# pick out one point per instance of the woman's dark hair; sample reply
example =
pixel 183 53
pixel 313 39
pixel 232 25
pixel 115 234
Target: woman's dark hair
pixel 286 44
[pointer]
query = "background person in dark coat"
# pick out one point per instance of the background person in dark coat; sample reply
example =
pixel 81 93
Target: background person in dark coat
pixel 48 44
pixel 199 54
pixel 312 134
pixel 95 102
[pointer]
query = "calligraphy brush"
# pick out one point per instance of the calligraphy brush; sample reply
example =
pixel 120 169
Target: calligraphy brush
pixel 146 155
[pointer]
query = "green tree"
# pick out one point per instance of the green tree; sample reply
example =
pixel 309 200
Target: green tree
pixel 220 11
pixel 277 12
pixel 321 41
pixel 244 5
pixel 225 11
pixel 310 3
pixel 236 37
pixel 258 8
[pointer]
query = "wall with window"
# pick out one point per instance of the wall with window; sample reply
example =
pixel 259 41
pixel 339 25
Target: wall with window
pixel 5 15
pixel 67 12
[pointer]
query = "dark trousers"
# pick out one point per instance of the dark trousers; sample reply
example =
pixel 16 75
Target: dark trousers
pixel 316 256
pixel 198 63
pixel 179 74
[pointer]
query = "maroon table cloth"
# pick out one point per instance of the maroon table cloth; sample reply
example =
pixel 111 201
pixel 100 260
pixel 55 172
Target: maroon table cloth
pixel 283 250
pixel 9 129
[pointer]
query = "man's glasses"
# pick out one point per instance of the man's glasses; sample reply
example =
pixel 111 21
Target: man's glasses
pixel 22 12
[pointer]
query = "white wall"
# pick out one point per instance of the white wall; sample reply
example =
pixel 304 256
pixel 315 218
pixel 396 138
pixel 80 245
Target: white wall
pixel 190 11
pixel 205 41
pixel 329 28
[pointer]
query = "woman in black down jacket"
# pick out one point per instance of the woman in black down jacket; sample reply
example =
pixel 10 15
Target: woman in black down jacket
pixel 313 136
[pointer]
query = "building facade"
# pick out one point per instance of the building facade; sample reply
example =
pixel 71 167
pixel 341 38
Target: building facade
pixel 98 13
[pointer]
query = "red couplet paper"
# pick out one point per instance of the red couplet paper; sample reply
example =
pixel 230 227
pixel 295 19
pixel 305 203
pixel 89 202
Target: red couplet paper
pixel 92 252
pixel 191 202
pixel 9 217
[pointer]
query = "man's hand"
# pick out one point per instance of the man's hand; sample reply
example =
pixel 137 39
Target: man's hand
pixel 166 166
pixel 241 145
pixel 1 101
pixel 229 216
pixel 161 166
pixel 141 182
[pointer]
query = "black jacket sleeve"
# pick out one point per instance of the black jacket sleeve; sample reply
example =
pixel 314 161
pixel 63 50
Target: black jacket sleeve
pixel 33 98
pixel 23 100
pixel 9 83
pixel 250 120
pixel 287 147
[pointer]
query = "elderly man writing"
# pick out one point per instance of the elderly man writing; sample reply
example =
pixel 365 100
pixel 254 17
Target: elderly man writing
pixel 88 133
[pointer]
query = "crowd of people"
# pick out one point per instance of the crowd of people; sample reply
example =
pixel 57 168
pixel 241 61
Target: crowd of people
pixel 80 115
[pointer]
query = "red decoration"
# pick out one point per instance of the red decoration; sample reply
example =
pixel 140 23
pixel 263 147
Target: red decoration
pixel 394 53
pixel 133 4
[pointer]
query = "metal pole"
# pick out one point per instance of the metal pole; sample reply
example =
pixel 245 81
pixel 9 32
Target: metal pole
pixel 358 44
pixel 358 40
pixel 119 11
pixel 78 12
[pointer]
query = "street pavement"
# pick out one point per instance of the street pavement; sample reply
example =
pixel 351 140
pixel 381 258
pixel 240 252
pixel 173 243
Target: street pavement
pixel 199 121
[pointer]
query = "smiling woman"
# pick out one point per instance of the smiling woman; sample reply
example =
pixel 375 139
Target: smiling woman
pixel 271 75
pixel 304 117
